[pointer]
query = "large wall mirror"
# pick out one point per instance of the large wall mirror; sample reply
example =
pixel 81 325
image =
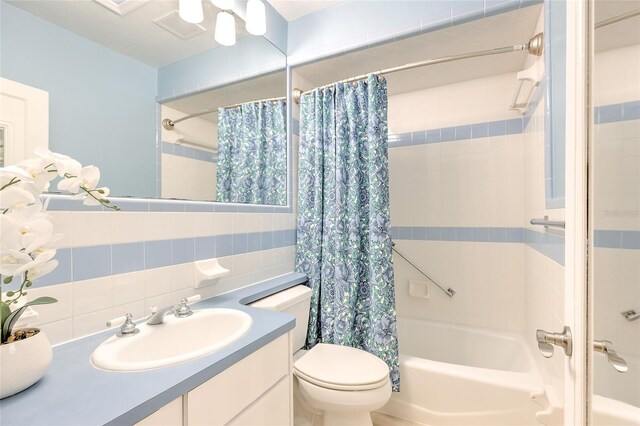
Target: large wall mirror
pixel 113 70
pixel 227 144
pixel 614 203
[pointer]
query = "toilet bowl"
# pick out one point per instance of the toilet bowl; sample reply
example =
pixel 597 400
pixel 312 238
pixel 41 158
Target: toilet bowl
pixel 343 384
pixel 333 384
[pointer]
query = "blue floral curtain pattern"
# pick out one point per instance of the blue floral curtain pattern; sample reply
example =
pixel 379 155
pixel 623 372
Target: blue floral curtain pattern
pixel 252 153
pixel 344 240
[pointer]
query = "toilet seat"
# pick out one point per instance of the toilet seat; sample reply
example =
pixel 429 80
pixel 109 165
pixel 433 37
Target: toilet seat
pixel 341 368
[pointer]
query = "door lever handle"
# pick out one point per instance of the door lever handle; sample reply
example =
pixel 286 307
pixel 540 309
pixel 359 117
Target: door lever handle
pixel 605 347
pixel 546 341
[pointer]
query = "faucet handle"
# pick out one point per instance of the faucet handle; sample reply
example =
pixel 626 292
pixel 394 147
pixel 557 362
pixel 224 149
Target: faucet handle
pixel 128 326
pixel 192 299
pixel 182 310
pixel 116 321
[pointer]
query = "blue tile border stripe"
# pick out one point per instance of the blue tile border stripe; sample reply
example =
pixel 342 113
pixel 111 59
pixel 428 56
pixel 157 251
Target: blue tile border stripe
pixel 469 234
pixel 617 112
pixel 629 240
pixel 550 245
pixel 83 263
pixel 189 152
pixel 456 133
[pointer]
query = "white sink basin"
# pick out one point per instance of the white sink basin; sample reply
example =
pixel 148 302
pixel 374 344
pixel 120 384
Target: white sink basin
pixel 175 340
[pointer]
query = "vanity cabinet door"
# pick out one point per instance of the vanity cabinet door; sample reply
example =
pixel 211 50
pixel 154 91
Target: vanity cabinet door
pixel 169 415
pixel 263 412
pixel 244 386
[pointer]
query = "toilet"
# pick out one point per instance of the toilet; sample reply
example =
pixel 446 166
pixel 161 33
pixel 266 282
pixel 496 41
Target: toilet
pixel 333 384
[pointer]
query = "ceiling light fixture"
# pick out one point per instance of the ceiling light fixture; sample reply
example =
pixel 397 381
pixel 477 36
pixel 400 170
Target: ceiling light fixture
pixel 256 18
pixel 225 29
pixel 191 11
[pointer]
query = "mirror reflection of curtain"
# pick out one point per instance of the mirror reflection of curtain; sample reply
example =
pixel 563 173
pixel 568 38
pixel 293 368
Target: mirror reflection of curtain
pixel 252 154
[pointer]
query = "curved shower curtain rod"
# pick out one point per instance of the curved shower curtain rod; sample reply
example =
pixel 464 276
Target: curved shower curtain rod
pixel 169 124
pixel 533 46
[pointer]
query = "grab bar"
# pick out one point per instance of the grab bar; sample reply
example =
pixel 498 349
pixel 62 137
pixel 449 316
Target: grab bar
pixel 547 223
pixel 450 292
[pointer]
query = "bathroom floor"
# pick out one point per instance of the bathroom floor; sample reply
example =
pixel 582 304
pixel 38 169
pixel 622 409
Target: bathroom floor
pixel 380 419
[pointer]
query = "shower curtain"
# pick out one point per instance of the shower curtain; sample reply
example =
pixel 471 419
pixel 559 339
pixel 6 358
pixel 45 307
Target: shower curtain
pixel 252 153
pixel 343 231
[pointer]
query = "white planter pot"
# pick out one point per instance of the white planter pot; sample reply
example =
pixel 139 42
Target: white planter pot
pixel 23 363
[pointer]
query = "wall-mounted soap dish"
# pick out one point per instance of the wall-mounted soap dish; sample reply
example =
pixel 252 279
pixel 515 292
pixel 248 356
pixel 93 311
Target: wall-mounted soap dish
pixel 208 272
pixel 420 289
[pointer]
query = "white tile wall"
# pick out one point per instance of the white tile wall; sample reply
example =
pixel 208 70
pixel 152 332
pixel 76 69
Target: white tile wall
pixel 467 183
pixel 186 178
pixel 487 278
pixel 616 182
pixel 544 278
pixel 83 307
pixel 474 101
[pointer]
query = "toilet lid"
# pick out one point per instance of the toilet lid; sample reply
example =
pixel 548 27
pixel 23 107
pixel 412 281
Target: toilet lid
pixel 341 367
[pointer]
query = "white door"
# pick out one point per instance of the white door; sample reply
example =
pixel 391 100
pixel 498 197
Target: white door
pixel 565 343
pixel 24 121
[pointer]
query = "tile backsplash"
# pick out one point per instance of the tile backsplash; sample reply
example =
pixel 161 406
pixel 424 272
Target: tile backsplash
pixel 112 263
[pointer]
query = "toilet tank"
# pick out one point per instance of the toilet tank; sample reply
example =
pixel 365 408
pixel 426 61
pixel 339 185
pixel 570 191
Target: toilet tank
pixel 295 301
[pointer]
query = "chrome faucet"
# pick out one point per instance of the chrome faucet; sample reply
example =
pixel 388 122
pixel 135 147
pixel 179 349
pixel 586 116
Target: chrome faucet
pixel 128 327
pixel 157 315
pixel 180 310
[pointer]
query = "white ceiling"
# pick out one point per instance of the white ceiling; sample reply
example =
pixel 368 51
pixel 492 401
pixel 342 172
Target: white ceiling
pixel 294 9
pixel 620 34
pixel 506 29
pixel 134 34
pixel 264 87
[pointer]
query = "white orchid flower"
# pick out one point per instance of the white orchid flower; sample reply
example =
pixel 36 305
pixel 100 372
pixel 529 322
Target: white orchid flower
pixel 11 261
pixel 63 164
pixel 10 172
pixel 10 236
pixel 36 234
pixel 15 197
pixel 41 172
pixel 87 179
pixel 41 265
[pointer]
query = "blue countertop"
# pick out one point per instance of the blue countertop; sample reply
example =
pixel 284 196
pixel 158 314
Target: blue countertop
pixel 74 392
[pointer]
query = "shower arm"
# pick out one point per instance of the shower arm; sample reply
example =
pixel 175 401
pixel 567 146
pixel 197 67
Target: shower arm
pixel 449 291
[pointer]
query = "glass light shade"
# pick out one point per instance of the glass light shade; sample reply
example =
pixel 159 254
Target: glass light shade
pixel 223 4
pixel 191 11
pixel 225 29
pixel 256 18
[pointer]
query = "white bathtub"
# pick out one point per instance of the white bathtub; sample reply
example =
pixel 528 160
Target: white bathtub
pixel 455 375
